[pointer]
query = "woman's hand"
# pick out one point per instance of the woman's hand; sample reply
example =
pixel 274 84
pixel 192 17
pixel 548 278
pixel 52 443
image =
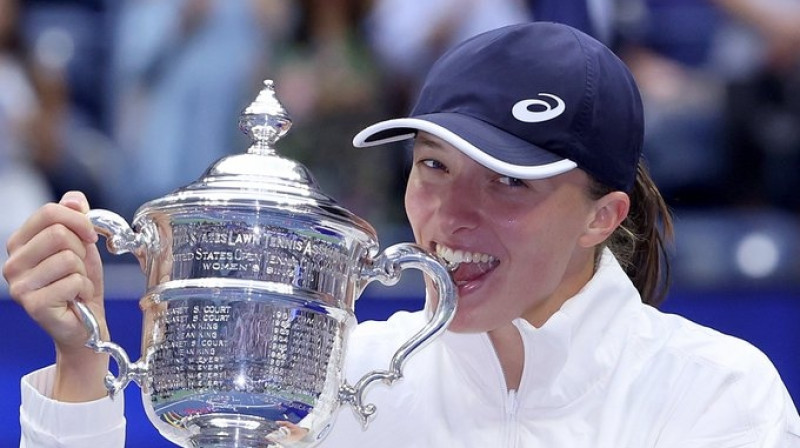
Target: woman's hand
pixel 53 260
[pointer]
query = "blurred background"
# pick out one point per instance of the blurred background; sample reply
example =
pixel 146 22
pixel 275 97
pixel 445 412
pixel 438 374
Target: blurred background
pixel 130 99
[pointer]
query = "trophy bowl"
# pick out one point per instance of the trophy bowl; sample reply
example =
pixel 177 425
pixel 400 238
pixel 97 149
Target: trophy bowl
pixel 252 274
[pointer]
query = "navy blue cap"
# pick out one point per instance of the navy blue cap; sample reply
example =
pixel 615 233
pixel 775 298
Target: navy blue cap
pixel 530 101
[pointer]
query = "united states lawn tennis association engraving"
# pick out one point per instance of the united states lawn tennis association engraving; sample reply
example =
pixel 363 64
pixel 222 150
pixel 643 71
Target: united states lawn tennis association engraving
pixel 212 249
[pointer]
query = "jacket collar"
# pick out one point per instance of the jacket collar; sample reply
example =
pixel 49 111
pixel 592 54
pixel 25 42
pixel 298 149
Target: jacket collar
pixel 574 351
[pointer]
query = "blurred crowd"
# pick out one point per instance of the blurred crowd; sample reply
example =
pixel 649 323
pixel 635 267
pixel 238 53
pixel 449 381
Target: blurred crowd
pixel 130 99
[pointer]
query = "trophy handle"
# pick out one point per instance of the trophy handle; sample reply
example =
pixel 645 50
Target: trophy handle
pixel 127 370
pixel 387 269
pixel 120 238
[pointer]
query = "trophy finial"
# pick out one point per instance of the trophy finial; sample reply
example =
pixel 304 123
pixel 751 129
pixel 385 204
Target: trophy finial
pixel 265 120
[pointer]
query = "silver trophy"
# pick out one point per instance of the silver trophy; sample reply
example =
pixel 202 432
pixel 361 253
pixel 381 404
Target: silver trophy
pixel 252 274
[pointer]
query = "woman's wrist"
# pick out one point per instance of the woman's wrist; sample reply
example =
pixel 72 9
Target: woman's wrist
pixel 79 376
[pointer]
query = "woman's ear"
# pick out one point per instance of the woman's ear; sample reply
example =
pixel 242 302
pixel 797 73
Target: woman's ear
pixel 609 212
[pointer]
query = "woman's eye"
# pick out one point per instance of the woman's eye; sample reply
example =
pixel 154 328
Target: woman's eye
pixel 512 181
pixel 432 163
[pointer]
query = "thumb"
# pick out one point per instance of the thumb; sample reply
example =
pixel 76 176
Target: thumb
pixel 75 200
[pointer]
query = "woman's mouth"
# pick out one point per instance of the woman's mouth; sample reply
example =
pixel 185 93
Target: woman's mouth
pixel 465 266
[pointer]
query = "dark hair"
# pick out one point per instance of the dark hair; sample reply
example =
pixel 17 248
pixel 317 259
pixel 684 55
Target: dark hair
pixel 640 242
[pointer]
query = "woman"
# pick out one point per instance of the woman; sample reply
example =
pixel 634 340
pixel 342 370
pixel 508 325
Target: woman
pixel 527 180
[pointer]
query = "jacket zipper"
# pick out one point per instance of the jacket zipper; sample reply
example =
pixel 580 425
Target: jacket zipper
pixel 512 404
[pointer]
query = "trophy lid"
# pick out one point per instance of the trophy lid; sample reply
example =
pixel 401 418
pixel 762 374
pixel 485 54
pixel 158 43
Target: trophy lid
pixel 260 178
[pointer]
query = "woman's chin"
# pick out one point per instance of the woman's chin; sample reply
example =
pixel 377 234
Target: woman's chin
pixel 466 322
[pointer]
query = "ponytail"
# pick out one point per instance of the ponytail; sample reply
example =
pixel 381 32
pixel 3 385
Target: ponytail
pixel 640 242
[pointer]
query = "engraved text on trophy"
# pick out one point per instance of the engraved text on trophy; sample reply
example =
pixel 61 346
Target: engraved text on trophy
pixel 207 249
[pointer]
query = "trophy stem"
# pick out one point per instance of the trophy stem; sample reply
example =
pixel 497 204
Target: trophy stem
pixel 233 431
pixel 219 442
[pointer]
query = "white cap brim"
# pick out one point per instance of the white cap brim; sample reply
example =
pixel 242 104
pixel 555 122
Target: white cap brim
pixel 540 165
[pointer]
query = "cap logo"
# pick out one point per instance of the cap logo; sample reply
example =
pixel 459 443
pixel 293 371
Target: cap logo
pixel 522 111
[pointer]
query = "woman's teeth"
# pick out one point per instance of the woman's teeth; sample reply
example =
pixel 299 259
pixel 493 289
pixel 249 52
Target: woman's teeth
pixel 453 257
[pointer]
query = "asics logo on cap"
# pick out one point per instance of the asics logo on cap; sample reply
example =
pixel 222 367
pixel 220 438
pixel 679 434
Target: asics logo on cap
pixel 522 111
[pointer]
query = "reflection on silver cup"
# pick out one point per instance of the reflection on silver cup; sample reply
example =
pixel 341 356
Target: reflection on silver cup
pixel 252 275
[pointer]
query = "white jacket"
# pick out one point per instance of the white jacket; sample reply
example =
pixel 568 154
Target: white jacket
pixel 604 371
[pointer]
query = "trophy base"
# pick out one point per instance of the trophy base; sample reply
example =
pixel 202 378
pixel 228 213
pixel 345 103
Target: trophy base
pixel 236 431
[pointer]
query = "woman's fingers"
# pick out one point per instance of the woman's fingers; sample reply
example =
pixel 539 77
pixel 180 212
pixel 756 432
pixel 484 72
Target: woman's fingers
pixel 42 245
pixel 51 214
pixel 50 308
pixel 53 268
pixel 75 200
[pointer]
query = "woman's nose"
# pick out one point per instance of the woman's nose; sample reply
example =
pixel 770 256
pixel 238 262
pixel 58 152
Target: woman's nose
pixel 459 206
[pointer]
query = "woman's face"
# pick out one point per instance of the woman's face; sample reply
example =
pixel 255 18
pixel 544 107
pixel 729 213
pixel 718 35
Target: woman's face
pixel 524 244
